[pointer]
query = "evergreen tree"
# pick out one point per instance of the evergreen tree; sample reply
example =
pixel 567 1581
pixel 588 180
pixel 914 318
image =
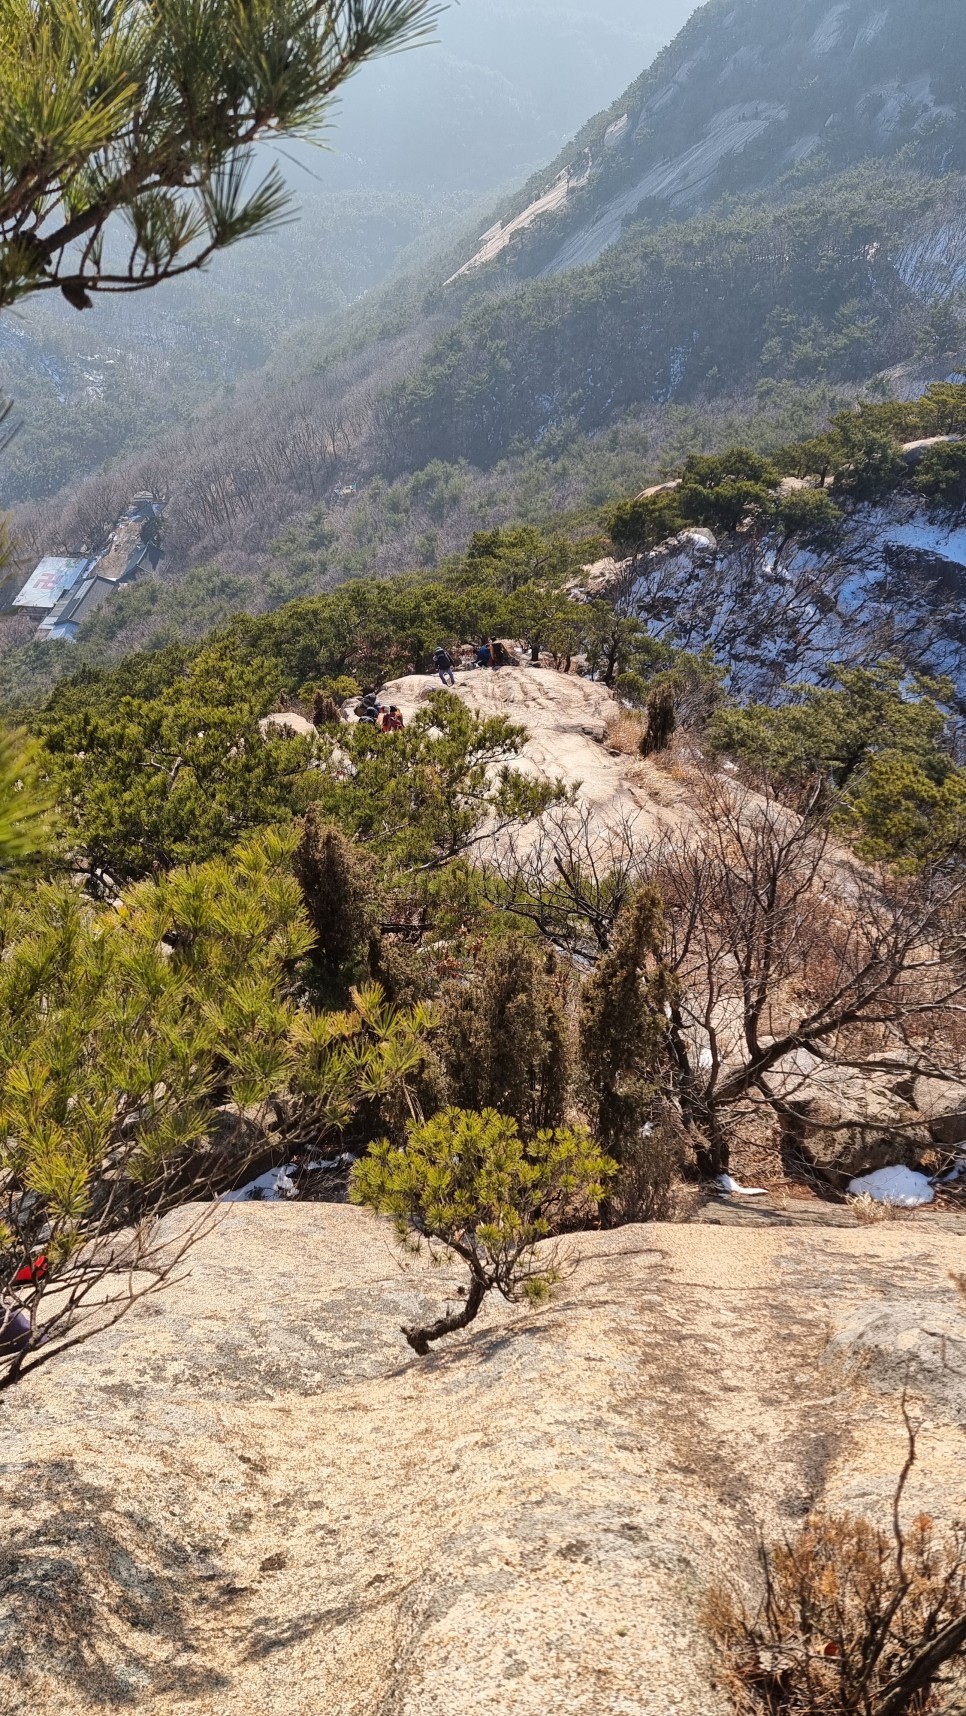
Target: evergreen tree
pixel 24 802
pixel 467 1184
pixel 622 1026
pixel 504 1038
pixel 152 113
pixel 335 888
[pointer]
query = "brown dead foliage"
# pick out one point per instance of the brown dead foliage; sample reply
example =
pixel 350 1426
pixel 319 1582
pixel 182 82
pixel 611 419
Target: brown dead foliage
pixel 854 1621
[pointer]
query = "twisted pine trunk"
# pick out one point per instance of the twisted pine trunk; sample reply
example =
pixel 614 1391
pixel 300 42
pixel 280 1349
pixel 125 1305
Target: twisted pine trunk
pixel 419 1339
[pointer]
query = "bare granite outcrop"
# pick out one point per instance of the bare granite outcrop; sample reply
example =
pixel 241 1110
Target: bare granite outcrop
pixel 251 1498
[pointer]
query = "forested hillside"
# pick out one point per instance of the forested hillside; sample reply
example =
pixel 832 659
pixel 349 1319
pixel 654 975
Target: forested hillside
pixel 88 389
pixel 835 281
pixel 412 149
pixel 785 282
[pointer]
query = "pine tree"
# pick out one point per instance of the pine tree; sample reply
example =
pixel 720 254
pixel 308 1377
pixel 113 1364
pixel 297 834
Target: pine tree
pixel 152 112
pixel 504 1041
pixel 468 1185
pixel 24 801
pixel 622 1030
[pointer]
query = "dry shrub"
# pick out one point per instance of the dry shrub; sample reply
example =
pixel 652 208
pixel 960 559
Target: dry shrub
pixel 625 731
pixel 662 721
pixel 854 1621
pixel 868 1211
pixel 325 710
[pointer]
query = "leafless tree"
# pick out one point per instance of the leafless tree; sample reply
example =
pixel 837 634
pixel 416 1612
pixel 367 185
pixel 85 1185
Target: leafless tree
pixel 56 1300
pixel 571 879
pixel 792 967
pixel 789 959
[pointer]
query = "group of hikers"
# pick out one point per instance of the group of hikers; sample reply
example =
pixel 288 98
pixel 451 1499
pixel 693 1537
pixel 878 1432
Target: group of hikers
pixel 388 717
pixel 490 653
pixel 385 717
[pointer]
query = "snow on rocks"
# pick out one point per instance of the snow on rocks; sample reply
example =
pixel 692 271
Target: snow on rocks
pixel 903 1187
pixel 774 614
pixel 728 1184
pixel 275 1187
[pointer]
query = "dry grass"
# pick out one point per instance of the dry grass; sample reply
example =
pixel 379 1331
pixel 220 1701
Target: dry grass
pixel 625 730
pixel 869 1212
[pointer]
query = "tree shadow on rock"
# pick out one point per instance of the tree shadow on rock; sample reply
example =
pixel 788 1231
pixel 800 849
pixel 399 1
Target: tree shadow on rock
pixel 95 1598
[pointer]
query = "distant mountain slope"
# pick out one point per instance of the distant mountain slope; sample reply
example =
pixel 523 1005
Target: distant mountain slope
pixel 780 197
pixel 836 282
pixel 748 92
pixel 505 85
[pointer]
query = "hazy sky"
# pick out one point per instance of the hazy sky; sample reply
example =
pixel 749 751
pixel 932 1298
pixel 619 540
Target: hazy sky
pixel 504 86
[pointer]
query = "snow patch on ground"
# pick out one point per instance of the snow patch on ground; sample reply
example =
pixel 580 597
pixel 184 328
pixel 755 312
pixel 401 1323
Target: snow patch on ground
pixel 727 1184
pixel 900 1186
pixel 947 541
pixel 275 1187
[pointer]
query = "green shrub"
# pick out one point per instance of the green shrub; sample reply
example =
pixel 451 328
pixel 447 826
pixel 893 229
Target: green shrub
pixel 941 476
pixel 504 1038
pixel 467 1185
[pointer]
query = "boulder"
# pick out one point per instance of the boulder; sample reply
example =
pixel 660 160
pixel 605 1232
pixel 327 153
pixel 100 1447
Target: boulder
pixel 660 489
pixel 601 577
pixel 286 724
pixel 917 1343
pixel 237 1149
pixel 942 1106
pixel 915 451
pixel 845 1122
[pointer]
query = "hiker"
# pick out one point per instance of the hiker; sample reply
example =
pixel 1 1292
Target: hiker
pixel 31 1272
pixel 484 655
pixel 500 655
pixel 394 722
pixel 369 710
pixel 16 1330
pixel 443 663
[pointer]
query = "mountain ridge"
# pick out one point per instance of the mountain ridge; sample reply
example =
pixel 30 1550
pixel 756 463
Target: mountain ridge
pixel 746 93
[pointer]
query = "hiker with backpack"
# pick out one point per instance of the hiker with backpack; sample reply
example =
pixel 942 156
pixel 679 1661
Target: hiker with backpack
pixel 369 710
pixel 443 663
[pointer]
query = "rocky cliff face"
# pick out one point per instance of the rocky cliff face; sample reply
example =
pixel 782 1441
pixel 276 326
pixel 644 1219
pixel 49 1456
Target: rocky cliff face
pixel 249 1498
pixel 894 586
pixel 749 93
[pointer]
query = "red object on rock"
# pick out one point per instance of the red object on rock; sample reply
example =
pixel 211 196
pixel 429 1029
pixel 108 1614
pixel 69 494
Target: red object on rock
pixel 31 1272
